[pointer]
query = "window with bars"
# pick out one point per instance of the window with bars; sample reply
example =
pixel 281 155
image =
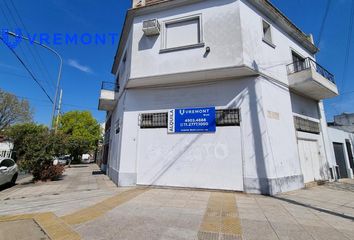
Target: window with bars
pixel 228 117
pixel 153 120
pixel 304 125
pixel 225 117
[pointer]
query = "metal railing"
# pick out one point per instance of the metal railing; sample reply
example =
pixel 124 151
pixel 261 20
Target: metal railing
pixel 110 86
pixel 308 63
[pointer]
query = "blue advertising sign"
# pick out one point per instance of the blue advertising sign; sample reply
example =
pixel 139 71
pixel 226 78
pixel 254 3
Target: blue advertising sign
pixel 191 120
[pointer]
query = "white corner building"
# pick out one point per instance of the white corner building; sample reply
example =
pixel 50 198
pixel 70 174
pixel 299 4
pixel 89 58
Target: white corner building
pixel 242 58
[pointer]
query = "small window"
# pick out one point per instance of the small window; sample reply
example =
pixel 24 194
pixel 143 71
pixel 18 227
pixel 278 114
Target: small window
pixel 153 120
pixel 298 61
pixel 304 125
pixel 125 57
pixel 182 33
pixel 267 33
pixel 228 117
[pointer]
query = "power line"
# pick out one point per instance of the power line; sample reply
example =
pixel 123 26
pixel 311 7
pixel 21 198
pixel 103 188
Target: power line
pixel 28 70
pixel 35 49
pixel 7 20
pixel 323 22
pixel 64 104
pixel 32 52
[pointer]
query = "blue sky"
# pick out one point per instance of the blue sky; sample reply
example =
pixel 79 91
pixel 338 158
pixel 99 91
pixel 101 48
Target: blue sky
pixel 86 66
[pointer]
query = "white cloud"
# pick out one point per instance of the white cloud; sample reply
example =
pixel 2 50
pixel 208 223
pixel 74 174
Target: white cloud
pixel 75 64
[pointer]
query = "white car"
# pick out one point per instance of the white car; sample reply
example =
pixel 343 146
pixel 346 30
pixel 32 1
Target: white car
pixel 8 171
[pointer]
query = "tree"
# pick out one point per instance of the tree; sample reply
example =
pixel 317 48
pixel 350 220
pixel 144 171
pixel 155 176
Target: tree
pixel 13 110
pixel 82 130
pixel 35 146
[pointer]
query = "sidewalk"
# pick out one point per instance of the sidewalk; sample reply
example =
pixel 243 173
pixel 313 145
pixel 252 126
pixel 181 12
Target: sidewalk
pixel 86 206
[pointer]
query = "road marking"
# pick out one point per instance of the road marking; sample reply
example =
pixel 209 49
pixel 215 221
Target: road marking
pixel 221 220
pixel 99 209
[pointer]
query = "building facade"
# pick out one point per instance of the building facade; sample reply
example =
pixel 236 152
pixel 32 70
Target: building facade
pixel 245 59
pixel 342 154
pixel 344 121
pixel 5 148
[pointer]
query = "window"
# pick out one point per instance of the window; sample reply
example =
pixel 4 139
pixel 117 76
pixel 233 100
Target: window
pixel 298 61
pixel 304 125
pixel 182 33
pixel 228 117
pixel 7 163
pixel 153 120
pixel 267 33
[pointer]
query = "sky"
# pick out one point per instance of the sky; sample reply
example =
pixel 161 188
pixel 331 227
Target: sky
pixel 87 65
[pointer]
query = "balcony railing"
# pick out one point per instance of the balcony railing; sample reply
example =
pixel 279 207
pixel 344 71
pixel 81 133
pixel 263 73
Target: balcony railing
pixel 110 86
pixel 308 63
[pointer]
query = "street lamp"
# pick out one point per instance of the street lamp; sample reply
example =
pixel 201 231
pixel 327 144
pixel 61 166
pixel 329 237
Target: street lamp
pixel 53 125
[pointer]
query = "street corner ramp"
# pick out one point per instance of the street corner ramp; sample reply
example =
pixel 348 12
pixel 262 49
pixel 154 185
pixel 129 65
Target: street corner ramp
pixel 35 226
pixel 22 229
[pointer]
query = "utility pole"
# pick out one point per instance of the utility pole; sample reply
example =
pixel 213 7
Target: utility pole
pixel 59 73
pixel 58 113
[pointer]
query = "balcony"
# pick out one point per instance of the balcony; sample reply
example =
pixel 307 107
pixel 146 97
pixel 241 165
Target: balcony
pixel 108 96
pixel 310 79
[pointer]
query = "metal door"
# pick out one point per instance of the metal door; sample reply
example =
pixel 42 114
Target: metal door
pixel 340 159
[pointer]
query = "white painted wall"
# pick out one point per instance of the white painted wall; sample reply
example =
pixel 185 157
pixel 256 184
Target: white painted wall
pixel 313 110
pixel 304 106
pixel 6 147
pixel 268 151
pixel 339 136
pixel 221 32
pixel 269 60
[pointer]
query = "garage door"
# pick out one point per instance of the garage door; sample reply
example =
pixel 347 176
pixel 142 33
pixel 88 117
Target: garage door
pixel 309 160
pixel 211 160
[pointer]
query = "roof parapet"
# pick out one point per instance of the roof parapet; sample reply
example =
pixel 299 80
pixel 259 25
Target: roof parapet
pixel 143 3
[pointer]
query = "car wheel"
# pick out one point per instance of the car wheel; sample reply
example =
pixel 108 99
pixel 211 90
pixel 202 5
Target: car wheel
pixel 14 178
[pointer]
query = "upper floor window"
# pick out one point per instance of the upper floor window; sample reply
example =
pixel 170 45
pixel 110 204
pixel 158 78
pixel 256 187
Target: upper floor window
pixel 182 33
pixel 267 33
pixel 298 61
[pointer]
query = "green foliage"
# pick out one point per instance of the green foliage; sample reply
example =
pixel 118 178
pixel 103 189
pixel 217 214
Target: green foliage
pixel 13 110
pixel 35 146
pixel 82 130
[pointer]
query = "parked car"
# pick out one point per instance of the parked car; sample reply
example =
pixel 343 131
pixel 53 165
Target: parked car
pixel 87 158
pixel 8 171
pixel 62 160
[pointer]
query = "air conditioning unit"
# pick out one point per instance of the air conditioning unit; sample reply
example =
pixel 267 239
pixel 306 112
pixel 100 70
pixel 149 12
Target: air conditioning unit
pixel 151 27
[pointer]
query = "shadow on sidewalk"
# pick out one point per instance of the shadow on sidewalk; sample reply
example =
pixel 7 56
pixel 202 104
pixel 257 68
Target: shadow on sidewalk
pixel 314 208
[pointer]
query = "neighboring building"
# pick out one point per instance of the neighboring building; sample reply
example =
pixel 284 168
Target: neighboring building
pixel 243 57
pixel 343 150
pixel 5 148
pixel 345 122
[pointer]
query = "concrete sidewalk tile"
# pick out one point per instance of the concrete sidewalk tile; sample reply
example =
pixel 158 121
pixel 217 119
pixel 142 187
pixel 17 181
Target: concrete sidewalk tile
pixel 254 229
pixel 325 233
pixel 290 231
